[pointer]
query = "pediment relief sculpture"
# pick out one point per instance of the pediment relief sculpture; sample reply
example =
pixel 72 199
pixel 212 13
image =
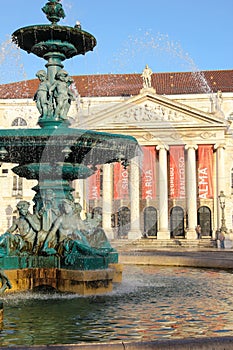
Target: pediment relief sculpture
pixel 151 113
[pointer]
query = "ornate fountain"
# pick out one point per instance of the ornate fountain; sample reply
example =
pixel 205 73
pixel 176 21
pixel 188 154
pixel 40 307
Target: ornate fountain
pixel 52 246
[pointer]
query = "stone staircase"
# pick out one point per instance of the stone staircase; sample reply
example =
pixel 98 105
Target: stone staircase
pixel 150 244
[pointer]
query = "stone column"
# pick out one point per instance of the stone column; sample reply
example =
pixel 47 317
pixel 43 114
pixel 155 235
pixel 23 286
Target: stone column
pixel 215 199
pixel 220 176
pixel 107 200
pixel 163 231
pixel 220 163
pixel 135 231
pixel 191 191
pixel 80 196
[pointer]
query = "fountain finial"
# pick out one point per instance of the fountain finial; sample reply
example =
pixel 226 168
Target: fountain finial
pixel 54 11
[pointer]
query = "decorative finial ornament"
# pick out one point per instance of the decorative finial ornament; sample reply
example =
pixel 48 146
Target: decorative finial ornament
pixel 54 11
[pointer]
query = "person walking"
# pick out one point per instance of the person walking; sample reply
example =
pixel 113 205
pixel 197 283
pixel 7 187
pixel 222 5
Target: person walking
pixel 198 231
pixel 222 239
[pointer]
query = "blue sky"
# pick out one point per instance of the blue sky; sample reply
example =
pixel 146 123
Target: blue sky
pixel 169 36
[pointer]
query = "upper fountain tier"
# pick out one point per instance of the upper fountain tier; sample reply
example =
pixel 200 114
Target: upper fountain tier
pixel 43 39
pixel 54 43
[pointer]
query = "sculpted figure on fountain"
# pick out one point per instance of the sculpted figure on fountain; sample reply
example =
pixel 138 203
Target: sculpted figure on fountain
pixel 49 211
pixel 42 94
pixel 4 281
pixel 71 237
pixel 54 231
pixel 21 237
pixel 61 94
pixel 54 101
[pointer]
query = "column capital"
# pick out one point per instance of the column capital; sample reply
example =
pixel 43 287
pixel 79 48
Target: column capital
pixel 191 146
pixel 219 145
pixel 162 146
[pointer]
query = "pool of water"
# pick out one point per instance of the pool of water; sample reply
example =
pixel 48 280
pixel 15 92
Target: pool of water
pixel 152 303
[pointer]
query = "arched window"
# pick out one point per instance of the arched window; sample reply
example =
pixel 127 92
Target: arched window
pixel 177 222
pixel 204 220
pixel 19 122
pixel 150 221
pixel 97 211
pixel 123 222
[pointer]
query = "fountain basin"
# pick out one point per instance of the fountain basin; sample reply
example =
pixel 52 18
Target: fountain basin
pixel 43 39
pixel 152 304
pixel 76 146
pixel 67 171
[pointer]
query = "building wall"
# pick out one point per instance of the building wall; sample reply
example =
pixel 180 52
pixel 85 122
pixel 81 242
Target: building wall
pixel 90 113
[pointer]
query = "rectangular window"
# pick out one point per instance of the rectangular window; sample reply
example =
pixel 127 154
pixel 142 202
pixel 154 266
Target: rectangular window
pixel 17 190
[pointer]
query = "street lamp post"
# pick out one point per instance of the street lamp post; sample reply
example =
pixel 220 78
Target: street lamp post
pixel 222 199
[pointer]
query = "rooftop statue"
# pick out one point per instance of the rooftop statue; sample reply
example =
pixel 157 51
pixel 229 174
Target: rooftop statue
pixel 146 76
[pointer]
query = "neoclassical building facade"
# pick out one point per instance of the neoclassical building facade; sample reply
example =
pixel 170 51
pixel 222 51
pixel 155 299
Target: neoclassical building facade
pixel 183 124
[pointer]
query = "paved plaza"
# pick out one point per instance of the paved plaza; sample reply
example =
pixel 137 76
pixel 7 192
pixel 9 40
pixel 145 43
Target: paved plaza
pixel 211 258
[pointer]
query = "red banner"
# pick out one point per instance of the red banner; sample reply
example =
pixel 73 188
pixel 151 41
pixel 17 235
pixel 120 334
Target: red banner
pixel 94 186
pixel 205 171
pixel 121 182
pixel 177 172
pixel 149 172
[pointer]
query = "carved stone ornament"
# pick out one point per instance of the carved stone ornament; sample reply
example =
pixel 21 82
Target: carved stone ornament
pixel 151 113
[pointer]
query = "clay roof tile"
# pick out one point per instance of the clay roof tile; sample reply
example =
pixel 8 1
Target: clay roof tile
pixel 101 85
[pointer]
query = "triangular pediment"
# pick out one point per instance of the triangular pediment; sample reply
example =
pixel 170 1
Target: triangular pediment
pixel 151 110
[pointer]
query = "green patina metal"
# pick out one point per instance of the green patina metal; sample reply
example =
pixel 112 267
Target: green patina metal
pixel 50 144
pixel 54 11
pixel 55 154
pixel 27 262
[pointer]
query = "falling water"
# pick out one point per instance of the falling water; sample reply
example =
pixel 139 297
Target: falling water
pixel 156 50
pixel 142 48
pixel 11 64
pixel 153 49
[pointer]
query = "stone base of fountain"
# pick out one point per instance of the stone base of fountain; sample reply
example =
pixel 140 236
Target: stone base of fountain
pixel 87 275
pixel 83 282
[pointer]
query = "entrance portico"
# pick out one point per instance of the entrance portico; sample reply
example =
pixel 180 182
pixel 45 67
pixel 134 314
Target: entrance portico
pixel 170 176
